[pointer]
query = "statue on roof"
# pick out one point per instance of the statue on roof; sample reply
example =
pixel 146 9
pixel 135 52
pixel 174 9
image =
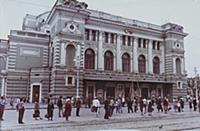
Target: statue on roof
pixel 73 4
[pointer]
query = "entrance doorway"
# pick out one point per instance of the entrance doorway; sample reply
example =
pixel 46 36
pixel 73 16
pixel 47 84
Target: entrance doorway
pixel 110 91
pixel 127 92
pixel 145 93
pixel 91 92
pixel 35 93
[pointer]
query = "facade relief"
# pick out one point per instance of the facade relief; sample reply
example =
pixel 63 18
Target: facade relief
pixel 72 28
pixel 73 4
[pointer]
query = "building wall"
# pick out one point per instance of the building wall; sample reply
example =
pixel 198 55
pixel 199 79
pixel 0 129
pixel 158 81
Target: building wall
pixel 27 50
pixel 67 24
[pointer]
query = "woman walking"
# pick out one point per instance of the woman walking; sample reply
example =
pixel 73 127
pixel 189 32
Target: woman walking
pixel 68 109
pixel 150 107
pixel 36 114
pixel 50 108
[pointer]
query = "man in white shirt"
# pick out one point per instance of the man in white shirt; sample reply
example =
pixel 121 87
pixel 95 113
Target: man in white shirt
pixel 96 106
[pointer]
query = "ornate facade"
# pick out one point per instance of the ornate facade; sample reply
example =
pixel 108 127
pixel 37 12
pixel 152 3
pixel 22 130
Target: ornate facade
pixel 72 50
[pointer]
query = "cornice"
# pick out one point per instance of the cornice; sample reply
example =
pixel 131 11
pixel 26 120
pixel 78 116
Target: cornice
pixel 119 25
pixel 24 39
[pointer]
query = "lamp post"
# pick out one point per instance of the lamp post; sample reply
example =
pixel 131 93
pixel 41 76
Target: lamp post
pixel 77 77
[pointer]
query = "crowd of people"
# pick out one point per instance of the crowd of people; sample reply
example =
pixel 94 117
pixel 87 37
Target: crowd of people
pixel 110 105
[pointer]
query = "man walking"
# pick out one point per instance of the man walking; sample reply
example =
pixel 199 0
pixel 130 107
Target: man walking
pixel 96 106
pixel 60 106
pixel 2 107
pixel 165 104
pixel 20 109
pixel 106 107
pixel 129 105
pixel 78 106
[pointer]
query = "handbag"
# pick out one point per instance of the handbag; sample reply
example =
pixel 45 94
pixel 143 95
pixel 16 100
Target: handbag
pixel 64 114
pixel 93 109
pixel 34 115
pixel 46 116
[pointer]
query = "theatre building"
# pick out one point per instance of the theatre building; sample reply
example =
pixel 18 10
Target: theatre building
pixel 72 50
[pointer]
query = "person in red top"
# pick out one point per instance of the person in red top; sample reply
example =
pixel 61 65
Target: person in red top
pixel 68 109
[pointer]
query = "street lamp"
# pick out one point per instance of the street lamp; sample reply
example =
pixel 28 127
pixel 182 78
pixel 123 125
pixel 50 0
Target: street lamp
pixel 77 77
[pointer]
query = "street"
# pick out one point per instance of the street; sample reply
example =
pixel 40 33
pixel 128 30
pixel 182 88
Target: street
pixel 187 120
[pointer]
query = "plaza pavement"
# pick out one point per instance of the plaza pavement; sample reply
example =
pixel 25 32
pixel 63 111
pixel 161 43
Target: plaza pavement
pixel 89 121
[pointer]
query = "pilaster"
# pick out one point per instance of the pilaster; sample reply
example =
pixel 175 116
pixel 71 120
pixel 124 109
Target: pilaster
pixel 150 60
pixel 162 61
pixel 63 54
pixel 174 65
pixel 56 53
pixel 119 59
pixel 135 55
pixel 100 52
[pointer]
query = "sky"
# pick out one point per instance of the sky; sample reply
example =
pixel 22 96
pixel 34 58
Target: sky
pixel 182 12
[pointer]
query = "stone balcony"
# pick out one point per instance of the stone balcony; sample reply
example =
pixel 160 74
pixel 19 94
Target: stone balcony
pixel 120 76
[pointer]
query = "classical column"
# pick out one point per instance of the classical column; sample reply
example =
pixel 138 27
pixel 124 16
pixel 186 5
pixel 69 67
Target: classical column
pixel 78 51
pixel 94 91
pixel 119 59
pixel 131 55
pixel 162 61
pixel 105 92
pixel 174 65
pixel 150 59
pixel 63 54
pixel 90 34
pixel 109 38
pixel 100 52
pixel 135 55
pixel 126 40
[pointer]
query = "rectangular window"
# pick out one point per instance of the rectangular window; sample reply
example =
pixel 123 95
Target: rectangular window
pixel 123 40
pixel 129 41
pixel 112 38
pixel 139 42
pixel 106 37
pixel 154 45
pixel 69 81
pixel 179 85
pixel 144 43
pixel 87 34
pixel 93 35
pixel 158 45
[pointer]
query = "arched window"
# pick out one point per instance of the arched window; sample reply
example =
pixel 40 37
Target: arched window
pixel 70 55
pixel 108 60
pixel 125 62
pixel 141 64
pixel 178 66
pixel 156 65
pixel 89 59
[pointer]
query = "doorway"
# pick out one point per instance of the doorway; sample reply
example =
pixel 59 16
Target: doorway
pixel 127 92
pixel 36 93
pixel 110 91
pixel 145 93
